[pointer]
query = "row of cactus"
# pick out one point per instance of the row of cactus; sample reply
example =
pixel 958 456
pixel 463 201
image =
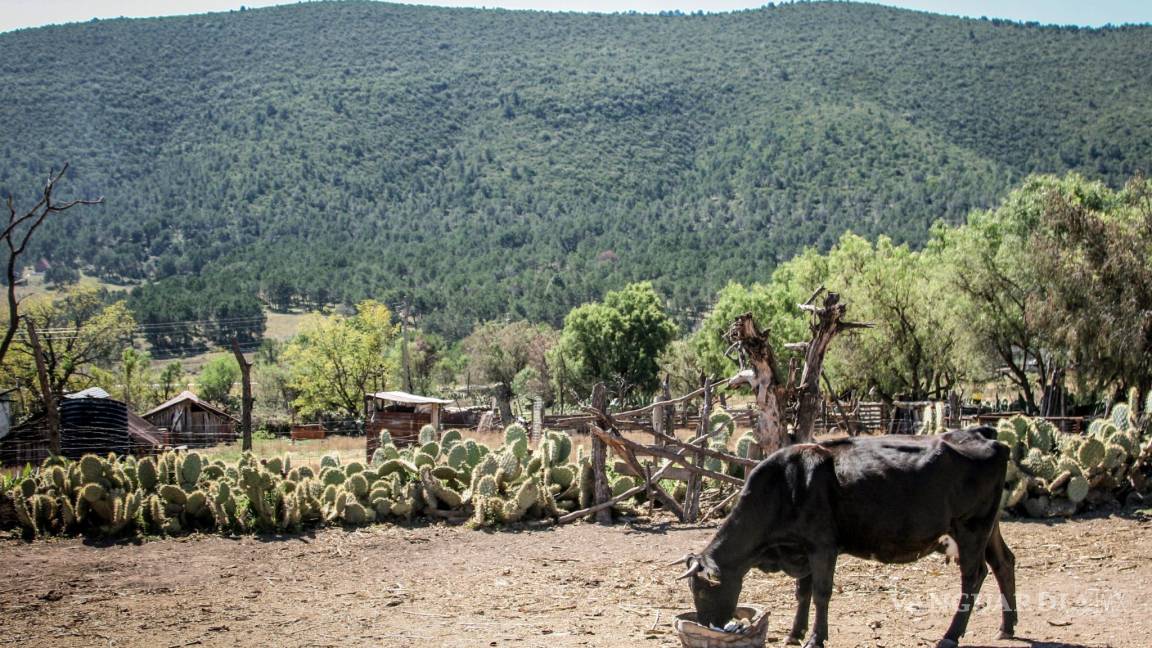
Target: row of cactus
pixel 1054 474
pixel 177 492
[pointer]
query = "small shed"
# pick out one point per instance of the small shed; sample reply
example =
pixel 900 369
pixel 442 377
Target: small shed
pixel 193 422
pixel 402 414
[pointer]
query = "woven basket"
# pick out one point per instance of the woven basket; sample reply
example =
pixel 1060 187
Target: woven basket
pixel 694 635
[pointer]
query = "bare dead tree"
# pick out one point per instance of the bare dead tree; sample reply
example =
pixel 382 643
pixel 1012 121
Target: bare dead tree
pixel 246 400
pixel 17 233
pixel 792 396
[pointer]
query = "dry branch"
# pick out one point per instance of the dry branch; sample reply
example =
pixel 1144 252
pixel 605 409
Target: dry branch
pixel 709 452
pixel 675 457
pixel 665 403
pixel 17 242
pixel 827 323
pixel 798 390
pixel 595 508
pixel 629 457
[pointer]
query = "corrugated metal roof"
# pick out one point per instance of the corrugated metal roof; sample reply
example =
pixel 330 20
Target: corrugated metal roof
pixel 91 392
pixel 142 432
pixel 410 399
pixel 189 396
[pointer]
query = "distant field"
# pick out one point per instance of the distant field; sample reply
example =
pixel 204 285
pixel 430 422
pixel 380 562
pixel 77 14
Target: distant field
pixel 301 452
pixel 282 326
pixel 350 448
pixel 35 285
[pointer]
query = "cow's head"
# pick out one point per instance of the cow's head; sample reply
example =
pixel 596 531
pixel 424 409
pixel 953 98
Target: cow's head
pixel 713 592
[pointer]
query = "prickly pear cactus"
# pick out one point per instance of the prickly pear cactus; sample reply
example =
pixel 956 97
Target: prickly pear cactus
pixel 437 492
pixel 450 439
pixel 514 433
pixel 744 445
pixel 1077 489
pixel 1091 453
pixel 722 426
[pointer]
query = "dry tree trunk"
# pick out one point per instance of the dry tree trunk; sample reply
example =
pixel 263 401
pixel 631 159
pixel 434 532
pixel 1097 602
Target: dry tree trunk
pixel 601 489
pixel 765 380
pixel 775 393
pixel 246 396
pixel 827 322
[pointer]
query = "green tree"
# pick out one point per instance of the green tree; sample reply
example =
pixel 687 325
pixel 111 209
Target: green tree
pixel 1095 253
pixel 774 305
pixel 999 292
pixel 170 382
pixel 271 383
pixel 425 350
pixel 81 333
pixel 682 364
pixel 336 359
pixel 909 351
pixel 134 378
pixel 501 352
pixel 217 379
pixel 618 341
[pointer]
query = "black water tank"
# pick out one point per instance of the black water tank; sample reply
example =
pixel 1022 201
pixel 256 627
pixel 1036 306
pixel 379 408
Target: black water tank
pixel 93 425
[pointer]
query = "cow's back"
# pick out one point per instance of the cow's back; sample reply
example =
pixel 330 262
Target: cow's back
pixel 895 496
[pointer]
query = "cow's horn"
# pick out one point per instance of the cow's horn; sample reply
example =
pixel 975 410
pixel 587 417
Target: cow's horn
pixel 683 560
pixel 693 569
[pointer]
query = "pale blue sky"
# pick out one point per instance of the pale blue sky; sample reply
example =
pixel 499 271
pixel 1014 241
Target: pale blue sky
pixel 31 13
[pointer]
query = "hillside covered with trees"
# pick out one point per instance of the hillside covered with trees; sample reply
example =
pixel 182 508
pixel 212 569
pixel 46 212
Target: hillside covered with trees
pixel 484 163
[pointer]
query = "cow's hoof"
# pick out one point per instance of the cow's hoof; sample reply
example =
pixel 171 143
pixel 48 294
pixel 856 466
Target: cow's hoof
pixel 1006 634
pixel 947 643
pixel 792 641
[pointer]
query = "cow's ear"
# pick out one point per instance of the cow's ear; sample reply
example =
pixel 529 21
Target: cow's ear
pixel 708 572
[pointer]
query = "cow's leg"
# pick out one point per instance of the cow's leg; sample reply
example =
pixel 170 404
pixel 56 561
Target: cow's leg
pixel 973 571
pixel 823 568
pixel 803 602
pixel 1003 563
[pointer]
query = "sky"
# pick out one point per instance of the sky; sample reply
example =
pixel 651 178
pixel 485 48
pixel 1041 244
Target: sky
pixel 15 14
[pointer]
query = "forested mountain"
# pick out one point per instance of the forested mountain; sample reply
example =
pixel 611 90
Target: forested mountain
pixel 489 162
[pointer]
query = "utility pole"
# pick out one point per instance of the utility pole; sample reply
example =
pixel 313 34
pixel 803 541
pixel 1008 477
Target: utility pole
pixel 51 414
pixel 246 396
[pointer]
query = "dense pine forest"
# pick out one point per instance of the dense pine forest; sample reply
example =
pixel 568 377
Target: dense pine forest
pixel 483 163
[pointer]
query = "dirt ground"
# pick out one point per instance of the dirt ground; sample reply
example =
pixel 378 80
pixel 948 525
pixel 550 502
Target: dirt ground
pixel 1083 583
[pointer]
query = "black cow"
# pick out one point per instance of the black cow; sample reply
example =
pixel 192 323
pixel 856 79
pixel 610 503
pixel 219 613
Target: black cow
pixel 894 499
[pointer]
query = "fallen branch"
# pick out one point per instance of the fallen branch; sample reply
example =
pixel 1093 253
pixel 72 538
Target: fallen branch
pixel 631 492
pixel 719 508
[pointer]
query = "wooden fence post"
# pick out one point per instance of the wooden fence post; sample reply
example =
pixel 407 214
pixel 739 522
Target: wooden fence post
pixel 602 492
pixel 953 421
pixel 537 419
pixel 695 481
pixel 669 411
pixel 658 421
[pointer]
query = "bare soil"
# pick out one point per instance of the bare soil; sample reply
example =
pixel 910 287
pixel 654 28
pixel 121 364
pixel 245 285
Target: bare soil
pixel 1083 583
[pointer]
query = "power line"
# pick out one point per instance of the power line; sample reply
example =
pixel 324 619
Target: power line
pixel 160 325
